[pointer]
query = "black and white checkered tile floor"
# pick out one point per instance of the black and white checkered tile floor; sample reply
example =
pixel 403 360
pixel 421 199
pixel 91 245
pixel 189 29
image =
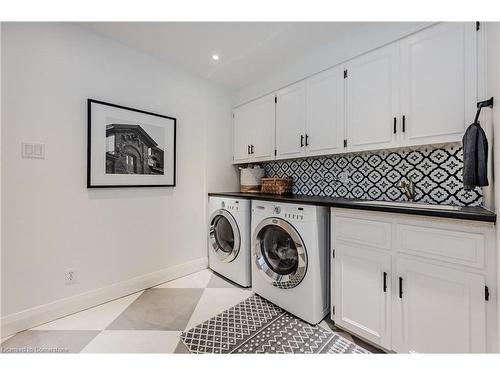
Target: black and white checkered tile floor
pixel 150 321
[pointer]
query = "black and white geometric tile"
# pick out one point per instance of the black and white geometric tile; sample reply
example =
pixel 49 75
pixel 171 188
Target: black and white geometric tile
pixel 436 172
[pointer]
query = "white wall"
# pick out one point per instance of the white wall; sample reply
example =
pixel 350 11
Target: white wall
pixel 368 36
pixel 493 89
pixel 485 77
pixel 0 173
pixel 51 221
pixel 219 144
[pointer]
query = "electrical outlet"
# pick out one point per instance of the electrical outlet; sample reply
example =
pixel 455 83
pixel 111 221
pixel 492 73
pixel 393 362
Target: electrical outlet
pixel 33 150
pixel 343 177
pixel 70 276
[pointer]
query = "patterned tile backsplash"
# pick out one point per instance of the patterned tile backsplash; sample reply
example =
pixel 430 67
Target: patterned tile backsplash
pixel 436 172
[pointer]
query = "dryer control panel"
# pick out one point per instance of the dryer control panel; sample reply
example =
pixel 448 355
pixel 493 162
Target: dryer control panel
pixel 230 206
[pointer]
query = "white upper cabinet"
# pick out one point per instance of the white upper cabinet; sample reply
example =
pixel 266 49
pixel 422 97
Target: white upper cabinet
pixel 325 125
pixel 419 90
pixel 291 121
pixel 242 124
pixel 253 131
pixel 438 309
pixel 438 83
pixel 372 99
pixel 263 128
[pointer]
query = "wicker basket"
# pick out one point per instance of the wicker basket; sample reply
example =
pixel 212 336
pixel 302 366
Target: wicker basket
pixel 250 188
pixel 277 185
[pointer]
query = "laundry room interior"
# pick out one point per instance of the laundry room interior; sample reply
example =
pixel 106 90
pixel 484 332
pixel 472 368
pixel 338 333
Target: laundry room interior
pixel 265 186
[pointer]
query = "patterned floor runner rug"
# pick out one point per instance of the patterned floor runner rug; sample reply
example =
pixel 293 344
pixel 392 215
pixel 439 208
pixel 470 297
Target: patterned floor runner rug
pixel 258 326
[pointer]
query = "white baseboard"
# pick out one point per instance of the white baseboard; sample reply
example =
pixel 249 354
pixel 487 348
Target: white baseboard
pixel 35 316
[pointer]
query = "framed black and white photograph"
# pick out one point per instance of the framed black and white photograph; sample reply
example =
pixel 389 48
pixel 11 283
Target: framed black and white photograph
pixel 128 147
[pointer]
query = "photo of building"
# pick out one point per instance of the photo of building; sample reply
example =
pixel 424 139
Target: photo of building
pixel 131 150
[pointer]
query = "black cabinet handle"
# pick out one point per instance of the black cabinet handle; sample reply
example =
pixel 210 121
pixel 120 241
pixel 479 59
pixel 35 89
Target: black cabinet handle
pixel 307 139
pixel 395 130
pixel 400 287
pixel 251 149
pixel 301 141
pixel 385 282
pixel 248 149
pixel 404 123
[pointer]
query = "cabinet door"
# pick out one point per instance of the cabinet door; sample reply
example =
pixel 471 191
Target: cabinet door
pixel 290 121
pixel 362 292
pixel 439 310
pixel 242 125
pixel 263 113
pixel 438 83
pixel 325 112
pixel 372 99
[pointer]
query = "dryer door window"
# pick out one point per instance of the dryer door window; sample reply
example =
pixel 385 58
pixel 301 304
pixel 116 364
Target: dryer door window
pixel 224 235
pixel 280 253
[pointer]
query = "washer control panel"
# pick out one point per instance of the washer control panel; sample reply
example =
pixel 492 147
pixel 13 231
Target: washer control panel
pixel 290 213
pixel 294 216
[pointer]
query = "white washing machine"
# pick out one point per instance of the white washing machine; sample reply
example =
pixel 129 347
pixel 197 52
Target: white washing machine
pixel 229 238
pixel 290 256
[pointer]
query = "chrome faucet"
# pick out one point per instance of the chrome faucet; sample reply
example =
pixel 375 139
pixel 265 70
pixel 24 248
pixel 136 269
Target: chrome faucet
pixel 408 188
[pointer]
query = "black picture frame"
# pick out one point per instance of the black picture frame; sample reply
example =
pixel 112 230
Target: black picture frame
pixel 89 145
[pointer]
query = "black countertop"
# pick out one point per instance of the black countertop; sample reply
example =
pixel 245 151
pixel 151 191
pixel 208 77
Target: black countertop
pixel 464 213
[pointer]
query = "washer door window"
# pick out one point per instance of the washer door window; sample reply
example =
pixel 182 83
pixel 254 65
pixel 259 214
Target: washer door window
pixel 280 253
pixel 224 235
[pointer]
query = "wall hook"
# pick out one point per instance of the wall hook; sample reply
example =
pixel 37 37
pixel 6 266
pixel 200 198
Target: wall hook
pixel 484 103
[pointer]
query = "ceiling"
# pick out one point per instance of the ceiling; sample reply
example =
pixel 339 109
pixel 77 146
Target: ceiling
pixel 247 50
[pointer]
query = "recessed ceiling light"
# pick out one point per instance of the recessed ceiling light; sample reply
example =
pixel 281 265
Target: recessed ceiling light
pixel 215 57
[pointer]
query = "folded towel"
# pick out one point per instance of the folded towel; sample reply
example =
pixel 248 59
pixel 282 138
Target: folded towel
pixel 475 147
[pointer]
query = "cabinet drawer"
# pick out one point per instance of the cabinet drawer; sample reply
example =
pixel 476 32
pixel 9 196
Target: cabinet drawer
pixel 442 244
pixel 366 232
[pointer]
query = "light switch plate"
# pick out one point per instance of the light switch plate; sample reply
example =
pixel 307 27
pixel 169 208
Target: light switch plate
pixel 70 276
pixel 33 150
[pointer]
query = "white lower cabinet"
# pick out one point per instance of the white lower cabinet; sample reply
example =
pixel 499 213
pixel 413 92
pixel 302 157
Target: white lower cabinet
pixel 362 279
pixel 417 288
pixel 437 309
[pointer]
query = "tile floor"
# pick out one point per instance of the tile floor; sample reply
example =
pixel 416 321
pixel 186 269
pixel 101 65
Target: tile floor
pixel 150 321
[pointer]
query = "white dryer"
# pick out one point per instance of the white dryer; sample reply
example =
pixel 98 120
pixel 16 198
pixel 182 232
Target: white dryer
pixel 290 256
pixel 229 239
